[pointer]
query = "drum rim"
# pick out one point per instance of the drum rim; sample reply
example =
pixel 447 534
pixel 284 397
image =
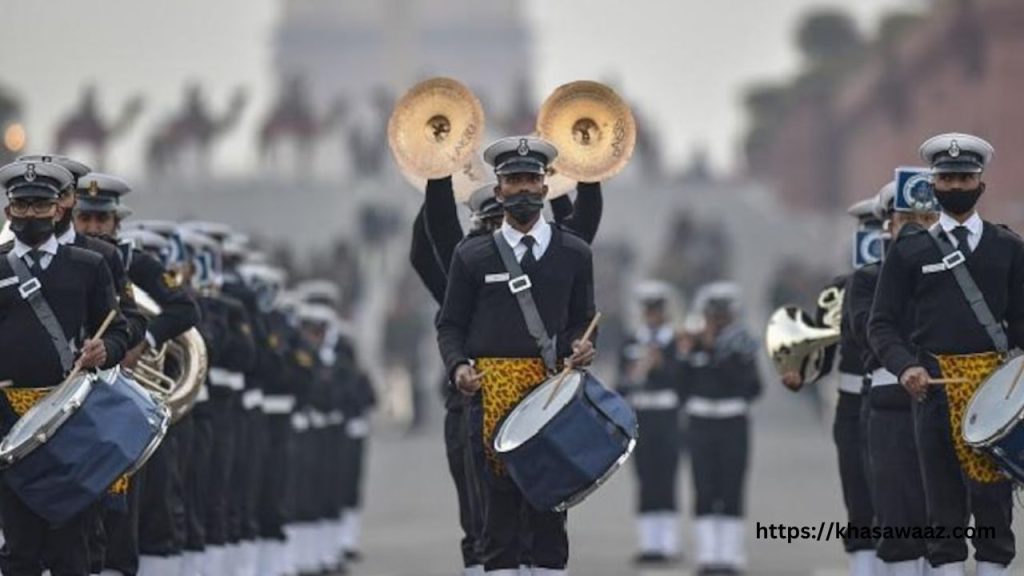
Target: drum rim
pixel 501 425
pixel 1004 430
pixel 11 453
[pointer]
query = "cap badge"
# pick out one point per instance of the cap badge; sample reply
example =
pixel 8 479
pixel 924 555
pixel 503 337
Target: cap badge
pixel 30 173
pixel 94 188
pixel 954 149
pixel 524 147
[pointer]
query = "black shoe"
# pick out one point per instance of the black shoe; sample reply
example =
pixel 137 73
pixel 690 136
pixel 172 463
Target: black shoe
pixel 353 556
pixel 649 558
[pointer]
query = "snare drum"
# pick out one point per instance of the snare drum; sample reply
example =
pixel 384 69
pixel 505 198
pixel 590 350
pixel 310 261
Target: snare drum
pixel 63 454
pixel 993 420
pixel 561 454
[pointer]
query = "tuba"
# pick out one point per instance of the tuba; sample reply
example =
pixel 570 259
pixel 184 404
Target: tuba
pixel 593 129
pixel 175 372
pixel 435 131
pixel 795 343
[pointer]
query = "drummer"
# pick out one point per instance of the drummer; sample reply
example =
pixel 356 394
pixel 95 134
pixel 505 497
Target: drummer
pixel 951 342
pixel 32 359
pixel 487 346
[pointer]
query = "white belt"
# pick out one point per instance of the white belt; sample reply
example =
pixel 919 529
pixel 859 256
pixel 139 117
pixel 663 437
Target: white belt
pixel 227 379
pixel 335 418
pixel 252 398
pixel 300 422
pixel 851 383
pixel 709 408
pixel 317 419
pixel 278 404
pixel 883 377
pixel 654 400
pixel 358 428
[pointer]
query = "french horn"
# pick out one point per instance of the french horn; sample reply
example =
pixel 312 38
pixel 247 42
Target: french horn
pixel 593 129
pixel 795 343
pixel 435 131
pixel 175 371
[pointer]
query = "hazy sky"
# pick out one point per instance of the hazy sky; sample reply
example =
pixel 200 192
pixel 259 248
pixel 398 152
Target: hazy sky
pixel 683 61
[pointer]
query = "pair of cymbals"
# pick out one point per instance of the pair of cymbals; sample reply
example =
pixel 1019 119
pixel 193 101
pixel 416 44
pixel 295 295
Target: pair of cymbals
pixel 437 127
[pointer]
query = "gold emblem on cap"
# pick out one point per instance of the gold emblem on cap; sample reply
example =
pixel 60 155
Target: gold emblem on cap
pixel 94 188
pixel 954 148
pixel 524 147
pixel 30 173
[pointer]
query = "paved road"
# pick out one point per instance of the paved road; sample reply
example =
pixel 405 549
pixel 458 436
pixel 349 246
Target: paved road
pixel 411 524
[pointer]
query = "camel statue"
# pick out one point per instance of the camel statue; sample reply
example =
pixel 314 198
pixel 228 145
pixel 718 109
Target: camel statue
pixel 85 125
pixel 294 119
pixel 193 129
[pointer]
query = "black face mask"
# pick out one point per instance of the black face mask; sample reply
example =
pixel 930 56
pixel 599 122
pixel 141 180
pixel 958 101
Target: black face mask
pixel 523 207
pixel 958 202
pixel 32 231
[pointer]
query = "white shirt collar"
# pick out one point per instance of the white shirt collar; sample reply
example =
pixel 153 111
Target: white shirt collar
pixel 68 237
pixel 974 226
pixel 541 232
pixel 48 247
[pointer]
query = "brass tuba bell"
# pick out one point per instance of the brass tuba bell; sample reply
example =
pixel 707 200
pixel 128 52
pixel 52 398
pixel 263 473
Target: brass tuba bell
pixel 176 371
pixel 593 129
pixel 435 131
pixel 796 344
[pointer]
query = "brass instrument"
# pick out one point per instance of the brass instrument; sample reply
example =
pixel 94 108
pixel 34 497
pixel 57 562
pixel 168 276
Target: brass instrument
pixel 593 129
pixel 795 343
pixel 435 131
pixel 184 357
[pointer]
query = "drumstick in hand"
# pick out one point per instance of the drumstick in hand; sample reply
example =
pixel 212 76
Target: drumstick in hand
pixel 568 365
pixel 99 334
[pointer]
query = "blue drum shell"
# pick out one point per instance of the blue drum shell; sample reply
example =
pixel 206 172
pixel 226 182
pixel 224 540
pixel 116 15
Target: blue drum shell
pixel 95 446
pixel 1009 453
pixel 575 448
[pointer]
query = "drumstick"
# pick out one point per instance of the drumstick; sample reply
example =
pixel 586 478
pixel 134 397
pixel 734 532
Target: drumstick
pixel 568 365
pixel 941 381
pixel 1015 381
pixel 99 334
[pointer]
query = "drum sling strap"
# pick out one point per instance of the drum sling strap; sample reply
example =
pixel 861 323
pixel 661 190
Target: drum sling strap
pixel 519 283
pixel 972 368
pixel 31 290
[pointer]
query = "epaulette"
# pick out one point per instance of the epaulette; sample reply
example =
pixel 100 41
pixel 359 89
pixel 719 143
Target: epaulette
pixel 913 241
pixel 76 254
pixel 1010 230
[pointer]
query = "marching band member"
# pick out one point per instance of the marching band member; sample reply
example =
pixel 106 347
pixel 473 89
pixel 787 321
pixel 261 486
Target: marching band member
pixel 848 429
pixel 649 378
pixel 720 369
pixel 895 477
pixel 487 345
pixel 147 526
pixel 76 288
pixel 951 339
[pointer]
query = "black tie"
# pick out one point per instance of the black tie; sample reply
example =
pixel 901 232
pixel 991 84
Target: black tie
pixel 961 233
pixel 529 262
pixel 36 261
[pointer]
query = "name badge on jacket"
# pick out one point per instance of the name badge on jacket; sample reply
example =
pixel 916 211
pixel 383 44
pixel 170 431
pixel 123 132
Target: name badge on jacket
pixel 495 278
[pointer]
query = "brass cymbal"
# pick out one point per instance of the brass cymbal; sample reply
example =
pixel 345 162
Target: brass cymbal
pixel 592 127
pixel 558 184
pixel 465 180
pixel 435 128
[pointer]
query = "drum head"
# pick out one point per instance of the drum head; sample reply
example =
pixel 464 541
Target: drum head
pixel 527 419
pixel 990 413
pixel 37 425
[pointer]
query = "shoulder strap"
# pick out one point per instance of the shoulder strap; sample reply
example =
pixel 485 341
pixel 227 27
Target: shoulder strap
pixel 519 283
pixel 954 261
pixel 30 290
